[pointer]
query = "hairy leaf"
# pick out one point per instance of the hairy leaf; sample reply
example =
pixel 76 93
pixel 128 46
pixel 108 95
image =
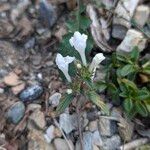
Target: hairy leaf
pixel 135 54
pixel 64 103
pixel 128 105
pixel 129 84
pixel 84 22
pixel 127 69
pixel 100 86
pixel 95 98
pixel 141 109
pixel 143 94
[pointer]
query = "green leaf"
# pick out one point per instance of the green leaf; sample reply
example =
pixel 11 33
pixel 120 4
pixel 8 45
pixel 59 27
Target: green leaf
pixel 118 71
pixel 148 107
pixel 100 86
pixel 141 109
pixel 127 69
pixel 129 84
pixel 72 25
pixel 111 87
pixel 95 98
pixel 123 94
pixel 64 103
pixel 135 54
pixel 146 68
pixel 122 86
pixel 90 84
pixel 84 22
pixel 121 57
pixel 143 94
pixel 128 105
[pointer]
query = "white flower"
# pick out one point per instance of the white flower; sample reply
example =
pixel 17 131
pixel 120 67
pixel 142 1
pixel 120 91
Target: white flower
pixel 78 41
pixel 96 61
pixel 63 64
pixel 69 91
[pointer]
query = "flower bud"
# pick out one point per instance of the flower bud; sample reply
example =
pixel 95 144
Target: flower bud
pixel 96 61
pixel 69 91
pixel 79 66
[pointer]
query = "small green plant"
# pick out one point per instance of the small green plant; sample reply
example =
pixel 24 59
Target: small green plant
pixel 123 71
pixel 82 82
pixel 73 63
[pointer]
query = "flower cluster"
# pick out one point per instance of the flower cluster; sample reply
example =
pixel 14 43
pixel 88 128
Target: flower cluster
pixel 79 42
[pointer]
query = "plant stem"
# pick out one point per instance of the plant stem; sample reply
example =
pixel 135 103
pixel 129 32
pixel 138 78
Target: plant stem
pixel 57 124
pixel 78 120
pixel 78 13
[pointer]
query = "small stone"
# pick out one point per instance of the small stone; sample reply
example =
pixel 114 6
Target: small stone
pixel 97 138
pixel 116 112
pixel 87 140
pixel 40 76
pixel 1 91
pixel 107 127
pixel 49 136
pixel 17 89
pixel 133 38
pixel 40 31
pixel 54 99
pixel 61 144
pixel 68 122
pixel 60 33
pixel 119 31
pixel 141 15
pixel 108 3
pixel 30 43
pixel 95 147
pixel 57 132
pixel 16 112
pixel 37 118
pixel 90 140
pixel 48 14
pixel 122 20
pixel 112 143
pixel 126 129
pixel 12 79
pixel 37 141
pixel 93 126
pixel 31 93
pixel 33 107
pixel 36 59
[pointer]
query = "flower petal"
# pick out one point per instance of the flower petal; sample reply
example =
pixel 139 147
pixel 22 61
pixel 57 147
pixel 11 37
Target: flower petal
pixel 63 64
pixel 71 41
pixel 84 37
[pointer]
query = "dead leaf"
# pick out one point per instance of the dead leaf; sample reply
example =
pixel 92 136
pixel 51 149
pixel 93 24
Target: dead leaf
pixel 98 30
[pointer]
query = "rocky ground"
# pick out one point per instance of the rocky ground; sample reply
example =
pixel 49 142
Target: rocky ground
pixel 30 86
